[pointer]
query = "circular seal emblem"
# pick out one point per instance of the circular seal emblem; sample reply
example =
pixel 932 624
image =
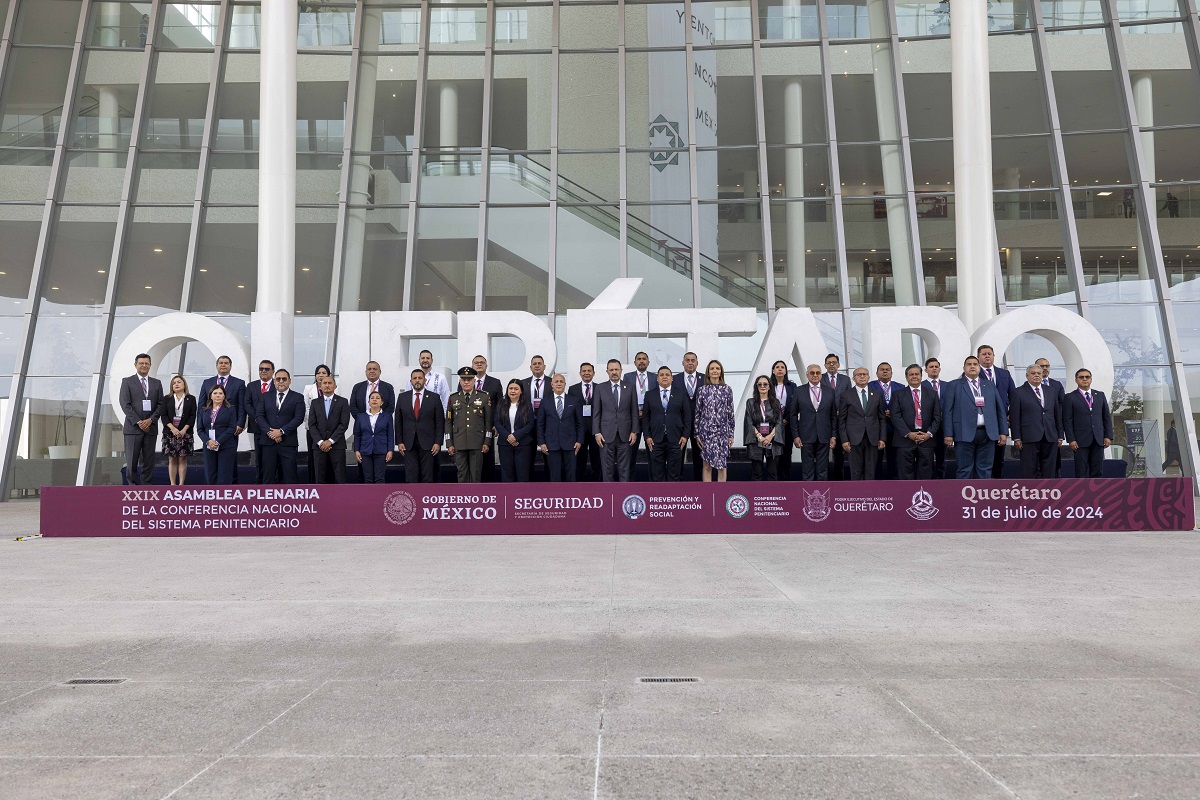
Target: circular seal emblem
pixel 737 506
pixel 633 506
pixel 399 508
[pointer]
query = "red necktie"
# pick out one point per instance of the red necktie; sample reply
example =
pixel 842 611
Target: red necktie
pixel 416 405
pixel 265 386
pixel 917 403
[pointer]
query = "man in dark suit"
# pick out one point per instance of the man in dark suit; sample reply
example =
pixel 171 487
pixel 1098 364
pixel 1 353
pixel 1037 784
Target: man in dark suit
pixel 420 428
pixel 235 390
pixel 331 419
pixel 639 379
pixel 1002 379
pixel 560 430
pixel 690 381
pixel 255 392
pixel 973 421
pixel 1055 389
pixel 1087 419
pixel 933 379
pixel 493 387
pixel 861 426
pixel 814 423
pixel 885 467
pixel 362 390
pixel 616 424
pixel 537 389
pixel 280 415
pixel 1036 421
pixel 589 453
pixel 917 419
pixel 667 426
pixel 835 384
pixel 140 398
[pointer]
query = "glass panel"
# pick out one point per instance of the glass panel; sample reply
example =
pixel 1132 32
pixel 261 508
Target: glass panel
pixel 153 260
pixel 77 266
pixel 391 29
pixel 166 177
pixel 1011 15
pixel 177 103
pixel 106 101
pixel 728 22
pixel 794 107
pixel 588 177
pixel 444 263
pixel 659 175
pixel 376 245
pixel 805 269
pixel 585 27
pixel 660 253
pixel 1182 264
pixel 236 125
pixel 868 254
pixel 315 233
pixel 864 99
pixel 1084 83
pixel 1033 260
pixel 189 26
pixel 110 442
pixel 321 102
pixel 31 110
pixel 1114 266
pixel 64 345
pixel 52 415
pixel 935 223
pixel 856 19
pixel 789 20
pixel 318 178
pixel 798 172
pixel 1130 10
pixel 453 102
pixel 587 101
pixel 118 25
pixel 1171 154
pixel 926 68
pixel 656 86
pixel 454 28
pixel 243 27
pixel 25 173
pixel 922 18
pixel 933 165
pixel 1187 323
pixel 723 82
pixel 728 174
pixel 94 177
pixel 516 274
pixel 1018 101
pixel 588 254
pixel 325 27
pixel 227 261
pixel 19 229
pixel 451 178
pixel 519 178
pixel 47 22
pixel 524 27
pixel 1022 162
pixel 389 106
pixel 521 86
pixel 233 178
pixel 1072 12
pixel 1097 158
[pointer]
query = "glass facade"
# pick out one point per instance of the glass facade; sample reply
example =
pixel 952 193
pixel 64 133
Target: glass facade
pixel 521 155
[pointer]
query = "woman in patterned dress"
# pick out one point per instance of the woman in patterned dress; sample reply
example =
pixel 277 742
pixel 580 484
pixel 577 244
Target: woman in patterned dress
pixel 714 420
pixel 178 408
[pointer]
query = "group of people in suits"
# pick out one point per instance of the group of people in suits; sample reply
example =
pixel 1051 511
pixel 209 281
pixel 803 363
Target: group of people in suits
pixel 592 430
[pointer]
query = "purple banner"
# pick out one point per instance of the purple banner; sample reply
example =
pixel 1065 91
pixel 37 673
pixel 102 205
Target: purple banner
pixel 1151 504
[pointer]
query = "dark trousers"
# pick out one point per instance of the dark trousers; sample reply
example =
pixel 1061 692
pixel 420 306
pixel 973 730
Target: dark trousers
pixel 561 465
pixel 419 465
pixel 1039 459
pixel 783 462
pixel 697 461
pixel 615 461
pixel 837 470
pixel 331 466
pixel 260 473
pixel 487 469
pixel 279 463
pixel 469 464
pixel 886 467
pixel 535 456
pixel 973 457
pixel 939 457
pixel 220 465
pixel 666 461
pixel 312 459
pixel 516 463
pixel 915 461
pixel 633 453
pixel 1089 461
pixel 374 468
pixel 763 469
pixel 862 459
pixel 139 458
pixel 814 461
pixel 589 454
pixel 997 464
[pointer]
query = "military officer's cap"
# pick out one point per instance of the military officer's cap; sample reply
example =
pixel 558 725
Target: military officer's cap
pixel 467 372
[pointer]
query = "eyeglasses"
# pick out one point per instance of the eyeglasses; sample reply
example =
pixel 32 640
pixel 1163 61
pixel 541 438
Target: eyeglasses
pixel 1085 377
pixel 764 386
pixel 264 369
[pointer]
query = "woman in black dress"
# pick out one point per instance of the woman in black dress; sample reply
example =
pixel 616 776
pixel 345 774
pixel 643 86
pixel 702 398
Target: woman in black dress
pixel 178 408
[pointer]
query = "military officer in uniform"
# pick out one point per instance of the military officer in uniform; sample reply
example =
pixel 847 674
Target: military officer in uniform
pixel 469 424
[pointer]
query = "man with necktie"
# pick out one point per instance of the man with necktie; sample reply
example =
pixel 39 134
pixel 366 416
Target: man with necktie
pixel 331 419
pixel 1036 420
pixel 420 428
pixel 917 419
pixel 639 378
pixel 885 468
pixel 616 424
pixel 255 393
pixel 861 425
pixel 933 379
pixel 486 383
pixel 814 425
pixel 362 390
pixel 835 384
pixel 235 396
pixel 280 415
pixel 589 453
pixel 537 389
pixel 667 426
pixel 973 421
pixel 140 398
pixel 690 381
pixel 1055 389
pixel 560 430
pixel 1087 420
pixel 1002 379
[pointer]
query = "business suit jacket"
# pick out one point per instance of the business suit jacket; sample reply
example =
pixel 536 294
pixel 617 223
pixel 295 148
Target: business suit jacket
pixel 333 427
pixel 857 425
pixel 526 427
pixel 576 391
pixel 235 395
pixel 813 425
pixel 494 389
pixel 131 404
pixel 1004 384
pixel 425 432
pixel 887 397
pixel 166 412
pixel 225 427
pixel 844 382
pixel 379 442
pixel 1029 420
pixel 527 385
pixel 959 410
pixel 358 397
pixel 667 424
pixel 631 378
pixel 287 417
pixel 904 415
pixel 615 422
pixel 680 382
pixel 1087 426
pixel 1051 385
pixel 556 433
pixel 254 396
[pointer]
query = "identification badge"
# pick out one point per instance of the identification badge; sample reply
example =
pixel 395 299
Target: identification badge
pixel 146 406
pixel 587 410
pixel 979 402
pixel 536 404
pixel 764 429
pixel 212 435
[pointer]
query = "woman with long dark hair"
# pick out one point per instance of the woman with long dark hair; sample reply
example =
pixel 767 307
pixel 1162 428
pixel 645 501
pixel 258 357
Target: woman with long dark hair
pixel 762 427
pixel 312 392
pixel 514 423
pixel 217 424
pixel 714 421
pixel 786 393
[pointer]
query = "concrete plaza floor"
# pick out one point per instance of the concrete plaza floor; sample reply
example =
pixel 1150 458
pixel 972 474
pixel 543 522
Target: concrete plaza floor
pixel 953 666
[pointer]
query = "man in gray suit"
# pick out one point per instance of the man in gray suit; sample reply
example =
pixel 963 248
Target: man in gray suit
pixel 140 396
pixel 861 426
pixel 615 423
